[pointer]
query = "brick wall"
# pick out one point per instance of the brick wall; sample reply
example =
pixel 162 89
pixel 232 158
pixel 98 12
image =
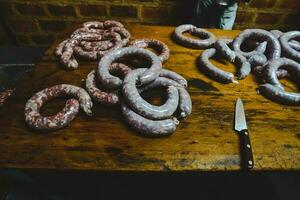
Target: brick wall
pixel 38 22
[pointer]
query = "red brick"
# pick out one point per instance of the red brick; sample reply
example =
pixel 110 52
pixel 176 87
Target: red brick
pixel 156 12
pixel 5 9
pixel 268 18
pixel 244 17
pixel 52 25
pixel 62 10
pixel 92 10
pixel 293 21
pixel 30 9
pixel 262 3
pixel 23 25
pixel 42 39
pixel 289 4
pixel 123 11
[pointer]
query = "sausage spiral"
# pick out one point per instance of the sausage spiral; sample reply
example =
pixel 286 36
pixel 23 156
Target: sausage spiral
pixel 155 121
pixel 289 51
pixel 113 82
pixel 273 88
pixel 139 105
pixel 106 97
pixel 194 43
pixel 293 43
pixel 91 42
pixel 161 47
pixel 148 127
pixel 32 108
pixel 211 70
pixel 259 34
pixel 283 63
pixel 278 95
pixel 224 50
pixel 185 104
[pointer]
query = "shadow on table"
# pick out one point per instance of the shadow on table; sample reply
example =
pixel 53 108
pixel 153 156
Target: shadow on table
pixel 17 185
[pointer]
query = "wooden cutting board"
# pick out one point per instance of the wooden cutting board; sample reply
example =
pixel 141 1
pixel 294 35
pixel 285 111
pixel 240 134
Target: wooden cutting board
pixel 205 141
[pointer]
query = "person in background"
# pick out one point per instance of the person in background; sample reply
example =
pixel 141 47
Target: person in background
pixel 218 14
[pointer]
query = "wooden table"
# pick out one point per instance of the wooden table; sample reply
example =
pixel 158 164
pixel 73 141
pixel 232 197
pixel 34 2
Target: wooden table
pixel 205 141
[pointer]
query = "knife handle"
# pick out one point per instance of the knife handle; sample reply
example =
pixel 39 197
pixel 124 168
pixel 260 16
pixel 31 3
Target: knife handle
pixel 246 149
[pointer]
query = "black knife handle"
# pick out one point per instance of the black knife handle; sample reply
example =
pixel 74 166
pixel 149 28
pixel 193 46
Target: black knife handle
pixel 246 150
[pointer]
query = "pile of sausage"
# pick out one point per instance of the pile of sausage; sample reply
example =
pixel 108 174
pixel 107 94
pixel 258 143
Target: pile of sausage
pixel 102 86
pixel 148 119
pixel 273 55
pixel 91 42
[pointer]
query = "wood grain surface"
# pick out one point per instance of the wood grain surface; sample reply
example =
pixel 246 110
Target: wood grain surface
pixel 205 141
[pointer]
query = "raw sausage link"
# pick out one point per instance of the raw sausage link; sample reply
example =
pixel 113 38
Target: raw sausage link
pixel 147 127
pixel 96 45
pixel 84 30
pixel 54 122
pixel 105 97
pixel 94 55
pixel 272 67
pixel 185 103
pixel 194 43
pixel 293 43
pixel 113 82
pixel 93 25
pixel 32 108
pixel 240 61
pixel 92 41
pixel 258 70
pixel 112 23
pixel 125 35
pixel 67 58
pixel 88 37
pixel 71 47
pixel 157 45
pixel 276 33
pixel 278 95
pixel 260 34
pixel 173 76
pixel 87 55
pixel 257 60
pixel 261 48
pixel 243 65
pixel 286 48
pixel 142 107
pixel 60 48
pixel 211 70
pixel 223 49
pixel 117 41
pixel 273 88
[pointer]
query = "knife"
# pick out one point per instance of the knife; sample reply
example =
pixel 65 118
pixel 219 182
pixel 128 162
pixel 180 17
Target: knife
pixel 240 127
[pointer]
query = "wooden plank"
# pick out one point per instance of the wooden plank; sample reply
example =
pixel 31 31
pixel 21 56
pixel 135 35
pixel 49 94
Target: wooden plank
pixel 205 141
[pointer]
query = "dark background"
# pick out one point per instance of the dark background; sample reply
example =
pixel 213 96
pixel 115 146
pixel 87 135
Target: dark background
pixel 187 185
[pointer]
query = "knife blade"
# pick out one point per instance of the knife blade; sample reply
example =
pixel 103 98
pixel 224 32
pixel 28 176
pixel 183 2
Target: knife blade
pixel 241 128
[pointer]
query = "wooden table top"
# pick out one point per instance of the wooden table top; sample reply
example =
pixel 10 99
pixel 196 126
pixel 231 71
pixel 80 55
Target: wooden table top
pixel 205 141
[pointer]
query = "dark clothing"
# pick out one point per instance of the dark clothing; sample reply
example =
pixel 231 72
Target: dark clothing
pixel 215 13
